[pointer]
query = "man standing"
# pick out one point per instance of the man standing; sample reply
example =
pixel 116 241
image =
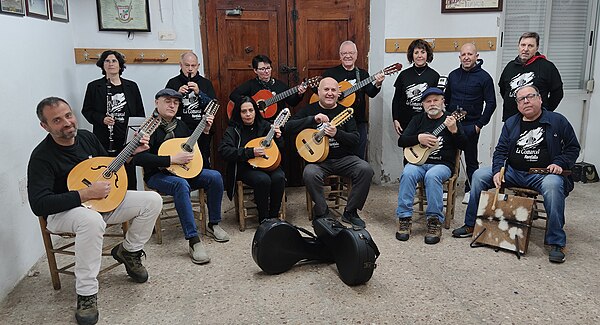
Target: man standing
pixel 156 177
pixel 341 159
pixel 530 68
pixel 348 71
pixel 468 88
pixel 535 138
pixel 435 170
pixel 197 92
pixel 63 148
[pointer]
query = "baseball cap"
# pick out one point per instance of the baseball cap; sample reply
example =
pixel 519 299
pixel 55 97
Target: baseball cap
pixel 431 91
pixel 168 92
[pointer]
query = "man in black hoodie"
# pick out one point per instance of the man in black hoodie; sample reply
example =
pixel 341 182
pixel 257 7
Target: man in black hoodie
pixel 530 68
pixel 468 88
pixel 197 92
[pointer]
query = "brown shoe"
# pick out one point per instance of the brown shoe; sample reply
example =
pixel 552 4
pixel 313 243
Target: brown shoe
pixel 404 227
pixel 434 231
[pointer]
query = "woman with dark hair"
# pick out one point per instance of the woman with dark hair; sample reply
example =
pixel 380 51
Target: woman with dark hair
pixel 247 124
pixel 108 104
pixel 411 83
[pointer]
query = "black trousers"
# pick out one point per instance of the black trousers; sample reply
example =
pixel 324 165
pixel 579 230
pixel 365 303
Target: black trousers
pixel 268 189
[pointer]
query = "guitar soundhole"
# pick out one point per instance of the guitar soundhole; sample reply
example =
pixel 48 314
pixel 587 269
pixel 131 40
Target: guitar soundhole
pixel 186 148
pixel 414 153
pixel 261 105
pixel 307 147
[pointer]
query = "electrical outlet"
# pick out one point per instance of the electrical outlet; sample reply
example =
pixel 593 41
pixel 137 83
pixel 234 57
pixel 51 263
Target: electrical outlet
pixel 167 36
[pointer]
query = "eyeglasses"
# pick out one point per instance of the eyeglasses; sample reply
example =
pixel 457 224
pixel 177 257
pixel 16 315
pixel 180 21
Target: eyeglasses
pixel 528 97
pixel 263 69
pixel 347 53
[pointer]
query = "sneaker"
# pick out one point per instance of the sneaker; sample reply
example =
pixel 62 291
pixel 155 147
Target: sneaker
pixel 87 310
pixel 434 231
pixel 198 253
pixel 132 262
pixel 462 232
pixel 353 218
pixel 557 254
pixel 404 227
pixel 217 233
pixel 466 198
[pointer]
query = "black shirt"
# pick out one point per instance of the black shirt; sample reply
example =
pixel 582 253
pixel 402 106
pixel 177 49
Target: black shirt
pixel 531 150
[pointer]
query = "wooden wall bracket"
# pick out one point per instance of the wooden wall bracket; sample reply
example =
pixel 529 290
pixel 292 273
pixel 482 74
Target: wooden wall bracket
pixel 132 56
pixel 442 44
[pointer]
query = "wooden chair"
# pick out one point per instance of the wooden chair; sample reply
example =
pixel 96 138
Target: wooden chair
pixel 336 196
pixel 245 207
pixel 449 199
pixel 65 249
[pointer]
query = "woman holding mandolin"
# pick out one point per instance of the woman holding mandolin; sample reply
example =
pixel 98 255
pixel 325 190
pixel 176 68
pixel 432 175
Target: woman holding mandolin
pixel 245 125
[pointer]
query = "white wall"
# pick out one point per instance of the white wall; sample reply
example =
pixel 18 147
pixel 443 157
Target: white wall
pixel 422 19
pixel 38 61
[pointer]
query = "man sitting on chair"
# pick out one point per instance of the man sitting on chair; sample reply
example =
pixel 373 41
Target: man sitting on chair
pixel 50 163
pixel 435 170
pixel 341 159
pixel 167 103
pixel 534 138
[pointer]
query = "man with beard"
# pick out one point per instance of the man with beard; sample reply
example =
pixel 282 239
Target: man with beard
pixel 436 169
pixel 530 68
pixel 197 92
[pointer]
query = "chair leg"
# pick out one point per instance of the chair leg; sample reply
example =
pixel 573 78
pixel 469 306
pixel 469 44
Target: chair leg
pixel 49 247
pixel 158 228
pixel 203 212
pixel 309 206
pixel 239 204
pixel 283 206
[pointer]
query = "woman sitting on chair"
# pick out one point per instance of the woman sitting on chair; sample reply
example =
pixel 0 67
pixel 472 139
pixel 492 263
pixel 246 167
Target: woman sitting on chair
pixel 245 125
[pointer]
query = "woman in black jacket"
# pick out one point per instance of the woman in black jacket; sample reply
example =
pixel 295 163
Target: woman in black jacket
pixel 247 124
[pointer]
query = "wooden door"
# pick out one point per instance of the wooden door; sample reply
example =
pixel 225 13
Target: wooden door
pixel 305 34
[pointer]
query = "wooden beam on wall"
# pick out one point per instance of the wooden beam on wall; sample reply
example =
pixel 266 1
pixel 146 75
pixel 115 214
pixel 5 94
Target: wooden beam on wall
pixel 132 56
pixel 442 44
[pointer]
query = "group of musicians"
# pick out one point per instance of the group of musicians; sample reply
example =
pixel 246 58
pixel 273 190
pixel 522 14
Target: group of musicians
pixel 182 112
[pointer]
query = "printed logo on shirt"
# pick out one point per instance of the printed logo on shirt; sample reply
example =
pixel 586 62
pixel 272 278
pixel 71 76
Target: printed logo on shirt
pixel 520 80
pixel 413 95
pixel 528 144
pixel 436 154
pixel 190 106
pixel 117 107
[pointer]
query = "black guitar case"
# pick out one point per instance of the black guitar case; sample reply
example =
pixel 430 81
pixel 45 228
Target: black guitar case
pixel 278 245
pixel 353 249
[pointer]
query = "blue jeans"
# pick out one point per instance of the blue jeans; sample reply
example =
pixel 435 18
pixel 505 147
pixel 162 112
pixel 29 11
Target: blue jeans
pixel 180 188
pixel 551 187
pixel 434 175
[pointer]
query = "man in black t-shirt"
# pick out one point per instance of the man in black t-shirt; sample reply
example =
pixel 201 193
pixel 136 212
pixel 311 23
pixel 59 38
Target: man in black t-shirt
pixel 435 170
pixel 535 138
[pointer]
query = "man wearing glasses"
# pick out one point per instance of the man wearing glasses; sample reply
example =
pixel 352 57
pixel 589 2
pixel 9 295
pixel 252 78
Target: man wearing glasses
pixel 530 68
pixel 348 71
pixel 535 138
pixel 263 69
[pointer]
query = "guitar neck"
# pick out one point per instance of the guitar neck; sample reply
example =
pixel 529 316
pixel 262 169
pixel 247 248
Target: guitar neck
pixel 210 110
pixel 439 129
pixel 281 96
pixel 359 85
pixel 122 157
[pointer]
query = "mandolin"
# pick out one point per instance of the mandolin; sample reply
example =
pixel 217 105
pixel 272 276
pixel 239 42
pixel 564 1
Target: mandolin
pixel 109 169
pixel 267 101
pixel 190 144
pixel 348 95
pixel 272 158
pixel 418 154
pixel 313 145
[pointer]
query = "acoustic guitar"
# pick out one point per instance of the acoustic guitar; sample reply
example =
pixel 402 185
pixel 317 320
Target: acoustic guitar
pixel 272 158
pixel 109 169
pixel 313 145
pixel 267 101
pixel 418 154
pixel 348 95
pixel 190 144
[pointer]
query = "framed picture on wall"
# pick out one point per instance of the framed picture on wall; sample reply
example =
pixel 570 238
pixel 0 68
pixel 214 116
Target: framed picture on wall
pixel 449 6
pixel 59 10
pixel 123 15
pixel 13 7
pixel 37 8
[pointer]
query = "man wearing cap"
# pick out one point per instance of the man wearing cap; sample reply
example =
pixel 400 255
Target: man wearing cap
pixel 64 147
pixel 435 170
pixel 156 177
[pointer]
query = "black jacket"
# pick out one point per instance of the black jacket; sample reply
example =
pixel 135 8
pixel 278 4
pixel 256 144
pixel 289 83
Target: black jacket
pixel 94 109
pixel 252 86
pixel 192 117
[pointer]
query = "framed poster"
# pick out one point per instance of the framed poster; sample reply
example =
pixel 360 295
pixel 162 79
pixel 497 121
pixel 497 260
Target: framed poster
pixel 13 7
pixel 449 6
pixel 59 10
pixel 123 15
pixel 37 8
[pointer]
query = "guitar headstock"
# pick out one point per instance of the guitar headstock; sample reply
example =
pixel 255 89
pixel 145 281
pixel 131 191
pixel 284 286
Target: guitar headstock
pixel 312 82
pixel 212 107
pixel 150 124
pixel 396 67
pixel 283 116
pixel 342 117
pixel 459 114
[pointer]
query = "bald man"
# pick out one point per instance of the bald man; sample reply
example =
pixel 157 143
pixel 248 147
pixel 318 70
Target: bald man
pixel 341 159
pixel 469 88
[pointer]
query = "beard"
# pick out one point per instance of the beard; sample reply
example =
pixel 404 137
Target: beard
pixel 434 110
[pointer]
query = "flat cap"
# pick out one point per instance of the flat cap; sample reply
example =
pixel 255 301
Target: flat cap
pixel 168 92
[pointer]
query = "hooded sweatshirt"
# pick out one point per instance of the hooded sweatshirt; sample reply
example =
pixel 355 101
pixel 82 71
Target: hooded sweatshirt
pixel 537 71
pixel 469 90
